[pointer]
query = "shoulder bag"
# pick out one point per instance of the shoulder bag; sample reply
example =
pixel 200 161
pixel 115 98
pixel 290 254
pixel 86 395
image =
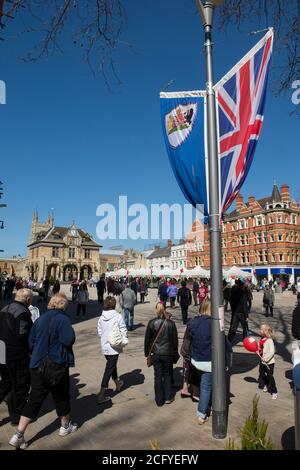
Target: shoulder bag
pixel 149 357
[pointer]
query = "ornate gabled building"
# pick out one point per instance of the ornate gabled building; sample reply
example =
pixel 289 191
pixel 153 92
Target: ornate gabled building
pixel 261 236
pixel 63 253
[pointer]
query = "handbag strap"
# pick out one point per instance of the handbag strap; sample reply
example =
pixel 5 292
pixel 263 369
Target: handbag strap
pixel 156 337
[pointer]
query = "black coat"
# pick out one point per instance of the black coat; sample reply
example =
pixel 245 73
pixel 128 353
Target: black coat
pixel 238 300
pixel 296 323
pixel 167 343
pixel 184 296
pixel 15 327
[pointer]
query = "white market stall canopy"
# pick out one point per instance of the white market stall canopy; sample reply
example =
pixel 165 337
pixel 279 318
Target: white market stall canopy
pixel 234 271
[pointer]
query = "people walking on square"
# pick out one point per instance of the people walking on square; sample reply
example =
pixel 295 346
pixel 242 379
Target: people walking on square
pixel 266 367
pixel 184 298
pixel 15 327
pixel 56 287
pixel 249 296
pixel 117 295
pixel 51 340
pixel 101 288
pixel 46 286
pixel 172 293
pixel 268 300
pixel 161 342
pixel 82 299
pixel 195 292
pixel 227 294
pixel 239 309
pixel 202 292
pixel 128 301
pixel 110 286
pixel 163 292
pixel 142 290
pixel 109 319
pixel 134 286
pixel 74 289
pixel 296 321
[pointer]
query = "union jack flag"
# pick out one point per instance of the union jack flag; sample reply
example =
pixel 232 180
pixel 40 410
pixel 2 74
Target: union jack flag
pixel 241 96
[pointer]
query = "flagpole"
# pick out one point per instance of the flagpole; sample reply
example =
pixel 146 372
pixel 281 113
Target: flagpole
pixel 219 393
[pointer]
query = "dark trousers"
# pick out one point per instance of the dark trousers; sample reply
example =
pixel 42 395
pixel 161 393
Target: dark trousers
pixel 100 295
pixel 266 377
pixel 249 301
pixel 172 302
pixel 184 313
pixel 163 367
pixel 267 310
pixel 39 391
pixel 74 292
pixel 15 382
pixel 235 320
pixel 142 297
pixel 195 297
pixel 110 370
pixel 81 307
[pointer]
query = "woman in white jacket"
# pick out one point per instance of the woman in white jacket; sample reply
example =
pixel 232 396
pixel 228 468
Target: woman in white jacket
pixel 106 323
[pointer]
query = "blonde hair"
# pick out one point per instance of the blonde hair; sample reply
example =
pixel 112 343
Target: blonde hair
pixel 205 308
pixel 161 311
pixel 58 302
pixel 267 330
pixel 24 296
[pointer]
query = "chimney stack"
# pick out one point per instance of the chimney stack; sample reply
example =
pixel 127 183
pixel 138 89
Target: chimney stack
pixel 251 200
pixel 285 193
pixel 239 202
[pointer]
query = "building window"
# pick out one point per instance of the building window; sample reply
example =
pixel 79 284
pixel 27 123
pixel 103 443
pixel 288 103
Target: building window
pixel 272 238
pixel 264 237
pixel 273 257
pixel 280 237
pixel 279 219
pixel 242 240
pixel 271 219
pixel 55 252
pixel 243 223
pixel 87 253
pixel 71 252
pixel 295 219
pixel 281 257
pixel 259 237
pixel 223 228
pixel 260 256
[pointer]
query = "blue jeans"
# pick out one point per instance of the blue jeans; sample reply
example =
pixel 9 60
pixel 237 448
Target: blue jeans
pixel 205 393
pixel 128 318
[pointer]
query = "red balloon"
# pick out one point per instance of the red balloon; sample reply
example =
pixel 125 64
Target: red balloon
pixel 250 344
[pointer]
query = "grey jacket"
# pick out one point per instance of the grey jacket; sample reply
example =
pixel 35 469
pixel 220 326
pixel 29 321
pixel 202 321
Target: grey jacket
pixel 128 298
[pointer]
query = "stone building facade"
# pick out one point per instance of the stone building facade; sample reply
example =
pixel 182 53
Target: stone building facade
pixel 261 236
pixel 63 253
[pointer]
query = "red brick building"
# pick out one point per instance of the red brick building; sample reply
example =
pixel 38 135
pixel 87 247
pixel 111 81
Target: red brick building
pixel 261 236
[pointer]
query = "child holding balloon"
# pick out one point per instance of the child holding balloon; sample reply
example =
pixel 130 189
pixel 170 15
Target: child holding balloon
pixel 266 380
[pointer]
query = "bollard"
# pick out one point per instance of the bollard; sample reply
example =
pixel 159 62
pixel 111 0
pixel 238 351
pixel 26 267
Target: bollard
pixel 296 380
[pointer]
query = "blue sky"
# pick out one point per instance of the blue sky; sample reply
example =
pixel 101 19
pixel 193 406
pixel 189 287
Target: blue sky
pixel 70 144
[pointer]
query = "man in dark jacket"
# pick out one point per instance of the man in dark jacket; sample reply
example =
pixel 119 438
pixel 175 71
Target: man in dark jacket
pixel 163 292
pixel 195 291
pixel 101 288
pixel 15 327
pixel 296 321
pixel 239 309
pixel 184 298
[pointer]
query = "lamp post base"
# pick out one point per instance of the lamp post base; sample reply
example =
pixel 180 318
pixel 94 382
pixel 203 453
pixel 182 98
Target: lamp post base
pixel 219 424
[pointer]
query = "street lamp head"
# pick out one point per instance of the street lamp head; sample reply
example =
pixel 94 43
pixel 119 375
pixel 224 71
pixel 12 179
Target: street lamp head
pixel 206 9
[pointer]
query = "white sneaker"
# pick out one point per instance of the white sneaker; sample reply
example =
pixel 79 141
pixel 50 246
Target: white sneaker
pixel 265 389
pixel 65 431
pixel 274 396
pixel 18 442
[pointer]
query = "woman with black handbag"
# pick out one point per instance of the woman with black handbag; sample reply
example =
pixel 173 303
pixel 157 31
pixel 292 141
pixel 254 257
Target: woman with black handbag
pixel 51 340
pixel 161 351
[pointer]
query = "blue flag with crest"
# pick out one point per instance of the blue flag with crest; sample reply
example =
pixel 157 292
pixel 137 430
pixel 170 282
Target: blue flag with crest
pixel 183 122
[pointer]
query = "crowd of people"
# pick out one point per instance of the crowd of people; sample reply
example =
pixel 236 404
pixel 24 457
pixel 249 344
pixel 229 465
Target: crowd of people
pixel 38 348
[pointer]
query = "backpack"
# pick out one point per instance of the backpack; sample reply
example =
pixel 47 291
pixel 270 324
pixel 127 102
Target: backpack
pixel 115 337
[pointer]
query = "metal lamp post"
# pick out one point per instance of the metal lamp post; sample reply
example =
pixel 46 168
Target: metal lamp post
pixel 219 393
